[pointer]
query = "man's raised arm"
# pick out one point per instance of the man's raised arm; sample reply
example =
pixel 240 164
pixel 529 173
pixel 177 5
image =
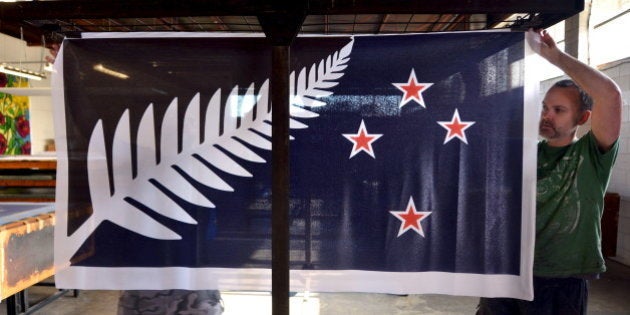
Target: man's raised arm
pixel 606 112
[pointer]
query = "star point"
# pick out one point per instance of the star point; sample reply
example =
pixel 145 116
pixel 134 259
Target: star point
pixel 362 141
pixel 456 128
pixel 412 90
pixel 410 218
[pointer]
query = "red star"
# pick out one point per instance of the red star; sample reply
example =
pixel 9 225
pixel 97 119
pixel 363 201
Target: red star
pixel 456 128
pixel 362 141
pixel 412 90
pixel 411 218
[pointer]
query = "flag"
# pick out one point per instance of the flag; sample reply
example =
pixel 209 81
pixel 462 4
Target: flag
pixel 410 163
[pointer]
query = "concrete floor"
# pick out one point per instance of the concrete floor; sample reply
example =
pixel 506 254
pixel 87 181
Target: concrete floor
pixel 608 296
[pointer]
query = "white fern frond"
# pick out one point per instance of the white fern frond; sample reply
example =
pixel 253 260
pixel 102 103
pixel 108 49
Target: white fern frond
pixel 311 87
pixel 111 206
pixel 300 112
pixel 246 125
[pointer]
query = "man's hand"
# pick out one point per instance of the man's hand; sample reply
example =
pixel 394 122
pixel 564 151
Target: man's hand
pixel 54 50
pixel 543 44
pixel 534 39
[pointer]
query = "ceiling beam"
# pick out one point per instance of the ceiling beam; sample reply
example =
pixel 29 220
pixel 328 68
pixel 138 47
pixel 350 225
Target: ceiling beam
pixel 96 9
pixel 34 18
pixel 281 29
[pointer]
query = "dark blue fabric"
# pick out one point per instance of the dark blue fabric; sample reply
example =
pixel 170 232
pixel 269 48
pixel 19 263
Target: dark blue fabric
pixel 340 206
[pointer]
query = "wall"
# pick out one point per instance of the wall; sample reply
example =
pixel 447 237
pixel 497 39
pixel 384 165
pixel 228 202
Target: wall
pixel 42 120
pixel 620 180
pixel 12 49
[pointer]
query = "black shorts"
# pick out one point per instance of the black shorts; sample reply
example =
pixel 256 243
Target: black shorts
pixel 551 296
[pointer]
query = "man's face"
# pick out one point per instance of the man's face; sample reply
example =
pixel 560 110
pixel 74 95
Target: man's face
pixel 560 115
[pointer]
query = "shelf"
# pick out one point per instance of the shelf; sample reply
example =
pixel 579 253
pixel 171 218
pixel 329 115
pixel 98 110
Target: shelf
pixel 27 179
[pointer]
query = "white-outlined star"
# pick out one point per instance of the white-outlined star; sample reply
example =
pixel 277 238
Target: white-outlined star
pixel 412 90
pixel 456 128
pixel 410 218
pixel 362 141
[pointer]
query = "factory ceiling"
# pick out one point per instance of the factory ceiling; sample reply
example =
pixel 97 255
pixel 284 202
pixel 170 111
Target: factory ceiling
pixel 46 22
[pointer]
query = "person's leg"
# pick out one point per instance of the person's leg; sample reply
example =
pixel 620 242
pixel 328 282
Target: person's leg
pixel 558 296
pixel 167 302
pixel 497 306
pixel 573 299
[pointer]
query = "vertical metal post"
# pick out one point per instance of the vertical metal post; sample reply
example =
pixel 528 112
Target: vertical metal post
pixel 280 27
pixel 280 174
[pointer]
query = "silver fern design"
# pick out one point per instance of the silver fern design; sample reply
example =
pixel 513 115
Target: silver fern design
pixel 153 177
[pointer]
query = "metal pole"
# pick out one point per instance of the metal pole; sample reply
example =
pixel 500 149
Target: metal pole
pixel 280 185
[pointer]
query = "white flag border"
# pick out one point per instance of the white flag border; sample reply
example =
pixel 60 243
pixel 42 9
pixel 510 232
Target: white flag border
pixel 248 279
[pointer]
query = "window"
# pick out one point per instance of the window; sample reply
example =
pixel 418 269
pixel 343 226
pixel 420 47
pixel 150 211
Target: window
pixel 609 26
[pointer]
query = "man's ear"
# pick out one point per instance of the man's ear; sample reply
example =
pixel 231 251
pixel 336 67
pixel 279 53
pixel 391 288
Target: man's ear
pixel 584 117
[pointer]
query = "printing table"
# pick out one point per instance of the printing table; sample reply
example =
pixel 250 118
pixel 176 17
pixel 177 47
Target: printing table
pixel 26 254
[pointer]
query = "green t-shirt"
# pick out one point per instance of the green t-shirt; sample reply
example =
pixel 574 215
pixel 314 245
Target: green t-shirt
pixel 571 184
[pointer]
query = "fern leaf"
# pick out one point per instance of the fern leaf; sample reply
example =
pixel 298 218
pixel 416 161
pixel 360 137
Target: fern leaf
pixel 145 149
pixel 240 150
pixel 300 112
pixel 168 134
pixel 254 139
pixel 121 153
pixel 154 199
pixel 107 206
pixel 227 165
pixel 294 124
pixel 213 118
pixel 201 173
pixel 192 138
pixel 246 124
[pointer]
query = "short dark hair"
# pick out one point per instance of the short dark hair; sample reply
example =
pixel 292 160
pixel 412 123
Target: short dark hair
pixel 586 102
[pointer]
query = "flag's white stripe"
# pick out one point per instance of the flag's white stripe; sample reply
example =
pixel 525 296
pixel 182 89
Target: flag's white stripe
pixel 87 278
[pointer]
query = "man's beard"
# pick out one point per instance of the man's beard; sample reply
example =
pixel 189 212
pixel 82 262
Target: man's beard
pixel 546 129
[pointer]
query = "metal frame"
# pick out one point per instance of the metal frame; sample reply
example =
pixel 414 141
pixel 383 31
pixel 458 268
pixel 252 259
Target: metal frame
pixel 39 19
pixel 17 304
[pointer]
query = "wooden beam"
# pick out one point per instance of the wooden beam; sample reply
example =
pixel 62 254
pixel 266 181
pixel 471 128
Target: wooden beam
pixel 18 29
pixel 85 9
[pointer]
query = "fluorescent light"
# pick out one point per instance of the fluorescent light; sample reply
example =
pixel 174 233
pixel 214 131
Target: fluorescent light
pixel 21 72
pixel 100 68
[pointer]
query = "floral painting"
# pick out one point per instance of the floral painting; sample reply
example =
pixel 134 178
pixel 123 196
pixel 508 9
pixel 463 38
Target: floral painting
pixel 15 131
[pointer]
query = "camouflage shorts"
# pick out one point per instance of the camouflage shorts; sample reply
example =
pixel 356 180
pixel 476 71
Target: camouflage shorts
pixel 170 302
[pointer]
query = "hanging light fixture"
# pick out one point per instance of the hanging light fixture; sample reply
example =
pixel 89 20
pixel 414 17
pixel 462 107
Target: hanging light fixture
pixel 21 72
